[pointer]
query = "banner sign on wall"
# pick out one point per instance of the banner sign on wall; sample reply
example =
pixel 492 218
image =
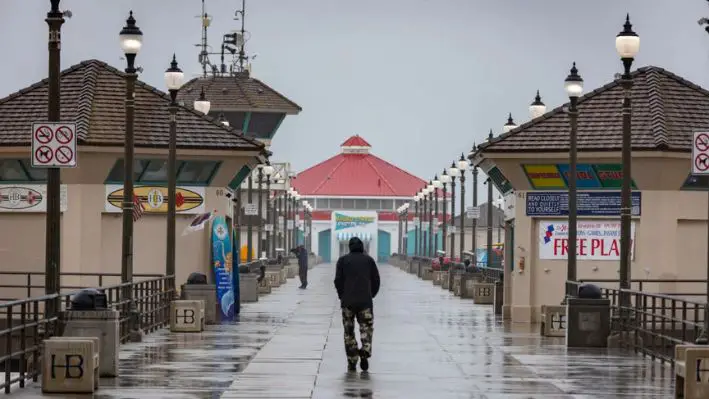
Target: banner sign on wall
pixel 343 221
pixel 588 176
pixel 222 262
pixel 189 200
pixel 28 198
pixel 555 203
pixel 596 240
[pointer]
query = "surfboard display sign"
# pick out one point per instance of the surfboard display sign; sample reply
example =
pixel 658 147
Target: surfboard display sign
pixel 188 200
pixel 28 198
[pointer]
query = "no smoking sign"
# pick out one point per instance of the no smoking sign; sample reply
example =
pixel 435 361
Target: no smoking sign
pixel 53 145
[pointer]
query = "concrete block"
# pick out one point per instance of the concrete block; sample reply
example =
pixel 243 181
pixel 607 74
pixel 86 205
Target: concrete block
pixel 457 279
pixel 283 276
pixel 692 371
pixel 588 323
pixel 427 274
pixel 70 365
pixel 274 277
pixel 104 325
pixel 186 316
pixel 553 321
pixel 206 293
pixel 292 270
pixel 499 299
pixel 466 286
pixel 483 293
pixel 264 287
pixel 436 277
pixel 248 288
pixel 445 281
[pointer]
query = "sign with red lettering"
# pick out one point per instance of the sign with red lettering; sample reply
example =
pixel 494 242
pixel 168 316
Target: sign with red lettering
pixel 595 239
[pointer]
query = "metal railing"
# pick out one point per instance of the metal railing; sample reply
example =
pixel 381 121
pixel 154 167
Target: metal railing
pixel 31 284
pixel 26 324
pixel 652 323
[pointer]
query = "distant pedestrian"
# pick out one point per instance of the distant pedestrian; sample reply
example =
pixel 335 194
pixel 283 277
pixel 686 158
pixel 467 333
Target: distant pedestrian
pixel 357 283
pixel 302 255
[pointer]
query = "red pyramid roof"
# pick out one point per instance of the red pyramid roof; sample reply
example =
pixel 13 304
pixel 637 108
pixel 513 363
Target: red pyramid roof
pixel 356 141
pixel 357 174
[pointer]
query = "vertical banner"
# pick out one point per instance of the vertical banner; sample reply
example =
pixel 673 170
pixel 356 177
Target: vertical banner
pixel 235 274
pixel 223 267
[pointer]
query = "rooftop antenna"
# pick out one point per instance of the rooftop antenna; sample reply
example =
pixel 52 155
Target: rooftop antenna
pixel 242 53
pixel 204 53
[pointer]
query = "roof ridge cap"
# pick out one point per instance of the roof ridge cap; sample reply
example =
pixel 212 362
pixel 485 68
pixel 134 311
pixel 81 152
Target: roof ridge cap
pixel 85 101
pixel 658 123
pixel 45 81
pixel 371 165
pixel 327 177
pixel 278 93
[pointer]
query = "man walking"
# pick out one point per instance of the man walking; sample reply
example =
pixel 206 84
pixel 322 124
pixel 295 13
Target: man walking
pixel 357 283
pixel 302 255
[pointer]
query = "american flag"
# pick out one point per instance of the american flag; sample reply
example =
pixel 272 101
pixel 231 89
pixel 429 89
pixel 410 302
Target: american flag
pixel 138 208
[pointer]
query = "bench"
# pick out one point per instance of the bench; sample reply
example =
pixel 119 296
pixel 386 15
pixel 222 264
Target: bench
pixel 692 371
pixel 553 321
pixel 70 365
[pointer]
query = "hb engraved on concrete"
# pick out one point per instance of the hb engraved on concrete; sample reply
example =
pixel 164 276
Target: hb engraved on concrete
pixel 248 288
pixel 102 324
pixel 274 277
pixel 588 322
pixel 484 293
pixel 206 293
pixel 691 371
pixel 70 365
pixel 436 277
pixel 427 273
pixel 553 321
pixel 186 316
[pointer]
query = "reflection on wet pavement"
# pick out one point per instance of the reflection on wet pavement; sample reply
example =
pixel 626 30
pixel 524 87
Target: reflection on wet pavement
pixel 427 344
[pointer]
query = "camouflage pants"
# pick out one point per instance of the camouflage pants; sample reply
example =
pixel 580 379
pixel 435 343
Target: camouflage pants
pixel 365 319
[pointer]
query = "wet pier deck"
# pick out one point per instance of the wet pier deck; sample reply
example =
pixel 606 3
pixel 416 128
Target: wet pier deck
pixel 427 344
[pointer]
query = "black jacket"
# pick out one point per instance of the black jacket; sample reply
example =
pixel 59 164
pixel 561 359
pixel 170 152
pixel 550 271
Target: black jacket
pixel 356 277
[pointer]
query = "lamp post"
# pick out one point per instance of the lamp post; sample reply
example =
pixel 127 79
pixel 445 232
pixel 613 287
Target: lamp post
pixel 202 104
pixel 267 171
pixel 131 39
pixel 703 338
pixel 430 190
pixel 249 218
pixel 537 108
pixel 445 180
pixel 405 241
pixel 574 88
pixel 436 186
pixel 627 44
pixel 399 213
pixel 475 205
pixel 416 225
pixel 52 276
pixel 453 172
pixel 296 217
pixel 173 80
pixel 462 167
pixel 259 226
pixel 286 218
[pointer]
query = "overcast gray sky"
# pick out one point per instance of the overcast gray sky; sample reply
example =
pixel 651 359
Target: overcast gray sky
pixel 421 80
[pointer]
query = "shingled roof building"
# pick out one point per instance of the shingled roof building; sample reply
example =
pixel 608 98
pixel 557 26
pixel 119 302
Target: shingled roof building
pixel 356 193
pixel 529 165
pixel 92 96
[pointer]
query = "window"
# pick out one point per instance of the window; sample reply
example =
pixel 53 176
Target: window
pixel 698 183
pixel 199 173
pixel 348 203
pixel 16 170
pixel 387 204
pixel 360 204
pixel 374 204
pixel 156 171
pixel 335 203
